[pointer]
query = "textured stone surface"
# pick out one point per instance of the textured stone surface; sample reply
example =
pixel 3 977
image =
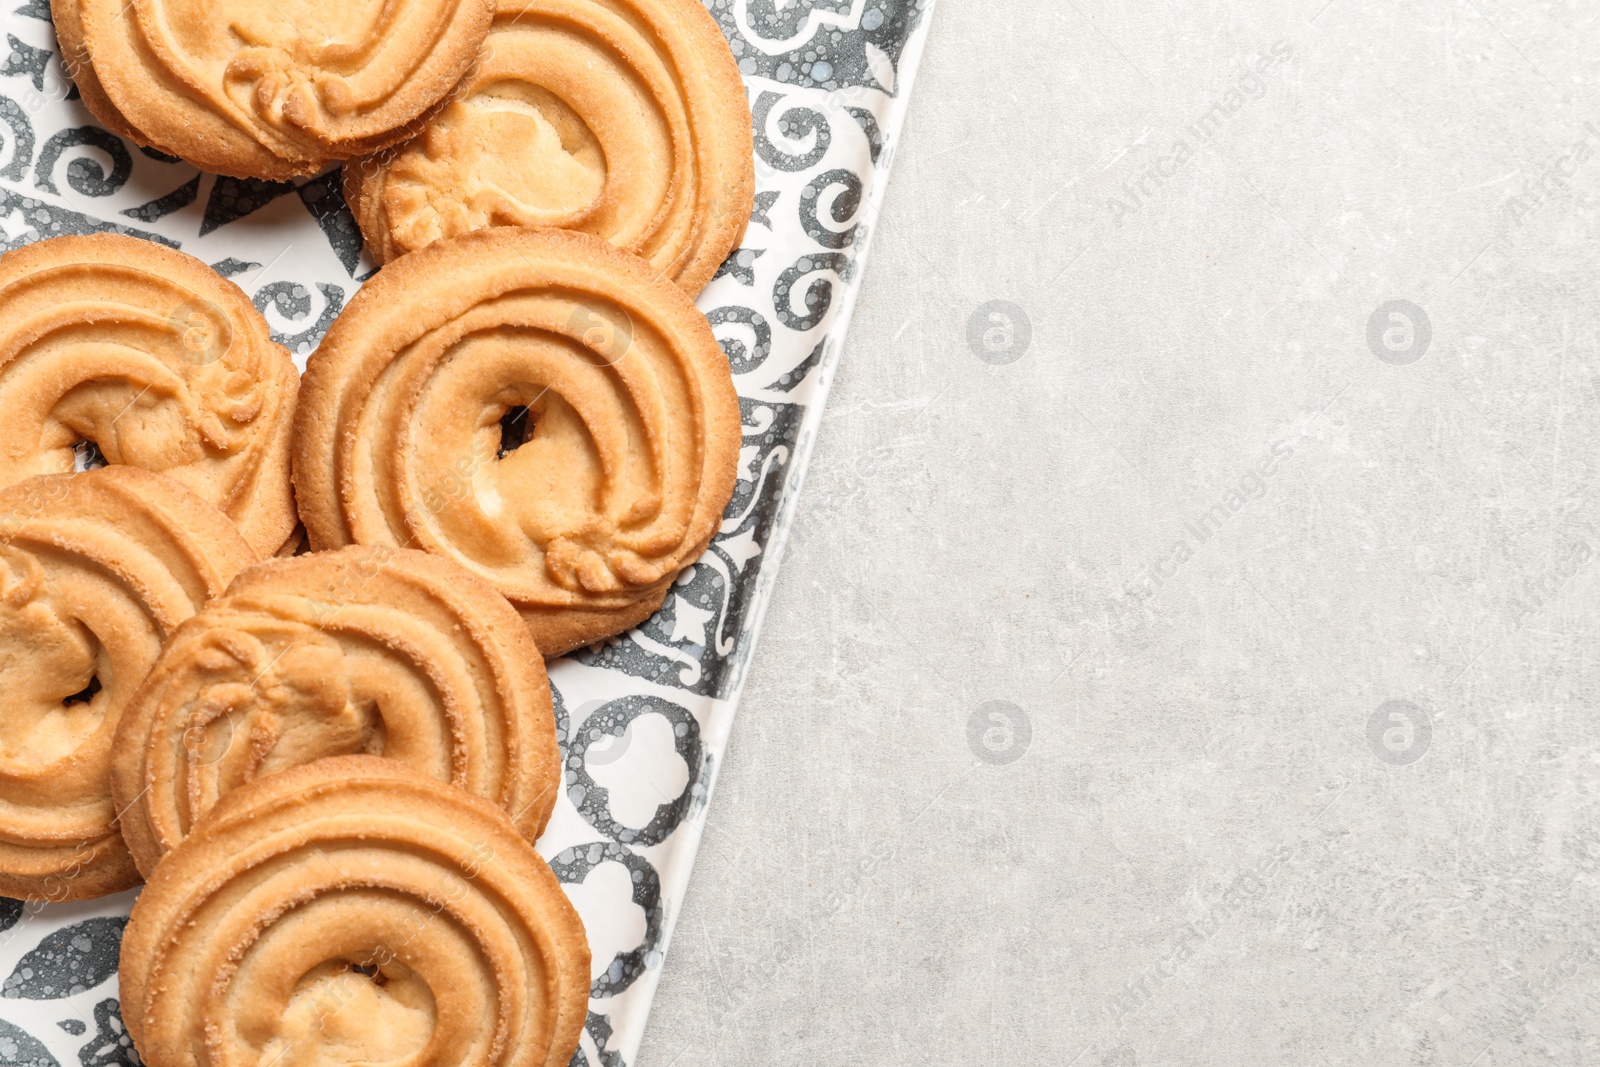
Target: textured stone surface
pixel 1316 788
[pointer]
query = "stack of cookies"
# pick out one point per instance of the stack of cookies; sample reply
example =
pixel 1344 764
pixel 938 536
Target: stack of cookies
pixel 276 646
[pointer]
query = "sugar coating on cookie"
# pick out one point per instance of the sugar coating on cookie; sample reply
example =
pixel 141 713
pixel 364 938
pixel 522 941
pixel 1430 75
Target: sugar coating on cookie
pixel 363 650
pixel 620 118
pixel 534 405
pixel 96 571
pixel 270 88
pixel 350 910
pixel 121 350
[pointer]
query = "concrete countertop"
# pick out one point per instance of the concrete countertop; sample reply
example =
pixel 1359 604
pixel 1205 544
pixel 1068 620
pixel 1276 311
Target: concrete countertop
pixel 1190 659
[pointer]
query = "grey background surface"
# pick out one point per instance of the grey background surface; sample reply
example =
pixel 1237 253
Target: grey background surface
pixel 1217 841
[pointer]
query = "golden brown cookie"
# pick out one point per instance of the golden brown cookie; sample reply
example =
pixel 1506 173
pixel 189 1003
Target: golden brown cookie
pixel 96 570
pixel 364 650
pixel 352 911
pixel 626 119
pixel 265 89
pixel 535 405
pixel 75 61
pixel 151 356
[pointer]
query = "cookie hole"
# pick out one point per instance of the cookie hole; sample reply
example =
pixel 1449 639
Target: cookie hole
pixel 86 456
pixel 84 695
pixel 516 426
pixel 370 970
pixel 348 1012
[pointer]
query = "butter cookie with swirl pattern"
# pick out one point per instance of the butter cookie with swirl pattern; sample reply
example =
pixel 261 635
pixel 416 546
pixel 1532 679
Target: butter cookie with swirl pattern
pixel 626 119
pixel 535 405
pixel 351 910
pixel 97 570
pixel 146 357
pixel 364 650
pixel 268 88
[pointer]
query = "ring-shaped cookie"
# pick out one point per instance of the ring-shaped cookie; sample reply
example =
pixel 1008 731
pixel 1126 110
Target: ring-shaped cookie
pixel 535 405
pixel 158 361
pixel 364 650
pixel 266 89
pixel 350 910
pixel 625 119
pixel 96 571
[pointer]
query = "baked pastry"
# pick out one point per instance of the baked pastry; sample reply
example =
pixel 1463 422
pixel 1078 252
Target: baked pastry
pixel 96 570
pixel 374 650
pixel 151 356
pixel 350 910
pixel 626 119
pixel 262 89
pixel 535 405
pixel 75 61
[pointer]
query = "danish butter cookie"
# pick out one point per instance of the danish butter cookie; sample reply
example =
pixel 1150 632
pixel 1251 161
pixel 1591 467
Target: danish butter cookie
pixel 154 359
pixel 96 570
pixel 351 911
pixel 269 88
pixel 369 650
pixel 75 60
pixel 626 119
pixel 535 405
